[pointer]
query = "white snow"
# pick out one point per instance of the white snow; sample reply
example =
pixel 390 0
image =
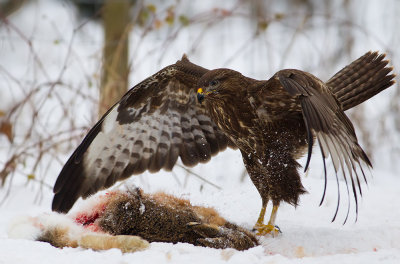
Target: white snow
pixel 308 234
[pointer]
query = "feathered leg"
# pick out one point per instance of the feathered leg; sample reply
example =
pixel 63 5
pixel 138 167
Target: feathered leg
pixel 277 179
pixel 255 171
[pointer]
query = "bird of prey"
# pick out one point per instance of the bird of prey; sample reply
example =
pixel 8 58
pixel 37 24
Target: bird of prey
pixel 193 113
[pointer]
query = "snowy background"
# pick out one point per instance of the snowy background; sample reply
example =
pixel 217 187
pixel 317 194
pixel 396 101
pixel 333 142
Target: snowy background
pixel 50 63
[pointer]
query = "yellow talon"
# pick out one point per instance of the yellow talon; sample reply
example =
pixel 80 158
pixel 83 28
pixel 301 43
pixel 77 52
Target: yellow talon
pixel 263 230
pixel 270 228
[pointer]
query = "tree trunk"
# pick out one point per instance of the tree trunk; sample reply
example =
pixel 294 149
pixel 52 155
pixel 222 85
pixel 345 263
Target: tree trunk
pixel 115 54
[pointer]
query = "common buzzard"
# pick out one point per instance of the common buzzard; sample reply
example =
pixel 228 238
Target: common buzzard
pixel 271 122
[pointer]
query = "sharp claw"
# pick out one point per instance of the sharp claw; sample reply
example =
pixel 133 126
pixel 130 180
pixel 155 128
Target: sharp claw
pixel 263 230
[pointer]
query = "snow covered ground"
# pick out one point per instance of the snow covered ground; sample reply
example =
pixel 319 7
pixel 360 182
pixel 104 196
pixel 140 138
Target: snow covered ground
pixel 308 234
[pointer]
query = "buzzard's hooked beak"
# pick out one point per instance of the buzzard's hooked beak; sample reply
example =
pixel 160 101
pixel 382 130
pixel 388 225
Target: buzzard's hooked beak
pixel 200 95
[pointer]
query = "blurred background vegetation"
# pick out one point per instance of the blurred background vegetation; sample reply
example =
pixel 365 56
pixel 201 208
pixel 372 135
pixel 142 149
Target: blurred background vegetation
pixel 65 62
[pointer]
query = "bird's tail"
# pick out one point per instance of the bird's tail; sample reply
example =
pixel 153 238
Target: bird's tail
pixel 362 79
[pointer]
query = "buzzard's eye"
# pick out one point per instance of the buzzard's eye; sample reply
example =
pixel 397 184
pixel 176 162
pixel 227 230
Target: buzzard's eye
pixel 214 83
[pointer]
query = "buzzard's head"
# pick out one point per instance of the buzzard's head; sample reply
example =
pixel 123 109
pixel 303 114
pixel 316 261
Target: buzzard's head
pixel 217 84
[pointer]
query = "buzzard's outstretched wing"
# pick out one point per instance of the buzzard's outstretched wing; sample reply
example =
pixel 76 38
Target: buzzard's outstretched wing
pixel 153 124
pixel 325 119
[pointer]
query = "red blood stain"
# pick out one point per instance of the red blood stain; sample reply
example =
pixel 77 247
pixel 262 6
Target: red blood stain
pixel 88 218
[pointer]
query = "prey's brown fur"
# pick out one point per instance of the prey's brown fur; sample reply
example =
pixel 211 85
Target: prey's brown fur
pixel 165 218
pixel 129 220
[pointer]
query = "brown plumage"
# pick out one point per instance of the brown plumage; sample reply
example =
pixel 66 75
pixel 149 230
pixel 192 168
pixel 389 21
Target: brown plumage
pixel 155 217
pixel 272 122
pixel 152 125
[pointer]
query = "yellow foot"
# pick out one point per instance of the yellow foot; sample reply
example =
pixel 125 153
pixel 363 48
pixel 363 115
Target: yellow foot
pixel 263 230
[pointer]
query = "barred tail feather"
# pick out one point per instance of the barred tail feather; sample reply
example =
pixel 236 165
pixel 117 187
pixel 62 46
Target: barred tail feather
pixel 361 80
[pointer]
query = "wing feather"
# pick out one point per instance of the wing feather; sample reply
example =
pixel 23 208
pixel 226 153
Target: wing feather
pixel 152 125
pixel 325 119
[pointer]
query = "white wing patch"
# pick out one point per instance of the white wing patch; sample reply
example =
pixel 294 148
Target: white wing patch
pixel 153 138
pixel 103 140
pixel 111 120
